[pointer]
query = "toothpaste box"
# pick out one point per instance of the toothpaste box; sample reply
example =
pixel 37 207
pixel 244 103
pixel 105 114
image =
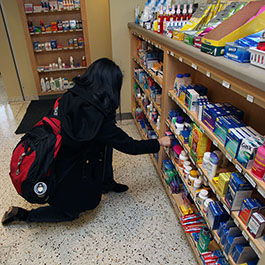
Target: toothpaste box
pixel 248 206
pixel 233 141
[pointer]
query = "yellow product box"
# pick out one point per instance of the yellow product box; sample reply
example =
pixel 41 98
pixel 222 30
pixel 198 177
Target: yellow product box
pixel 215 180
pixel 235 27
pixel 200 144
pixel 223 182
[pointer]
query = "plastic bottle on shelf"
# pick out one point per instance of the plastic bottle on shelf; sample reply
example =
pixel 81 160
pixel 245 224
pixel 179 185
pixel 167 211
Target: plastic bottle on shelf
pixel 42 84
pixel 179 81
pixel 203 195
pixel 192 176
pixel 173 14
pixel 158 123
pixel 47 84
pixel 179 125
pixel 84 61
pixel 59 62
pixel 258 168
pixel 166 19
pixel 160 21
pixel 61 83
pixel 190 11
pixel 71 62
pixel 184 13
pixel 206 204
pixel 212 166
pixel 187 79
pixel 187 171
pixel 178 13
pixel 196 185
pixel 52 84
pixel 205 161
pixel 182 158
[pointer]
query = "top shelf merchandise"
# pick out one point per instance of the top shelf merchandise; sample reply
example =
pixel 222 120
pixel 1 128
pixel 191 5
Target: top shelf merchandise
pixel 57 39
pixel 224 82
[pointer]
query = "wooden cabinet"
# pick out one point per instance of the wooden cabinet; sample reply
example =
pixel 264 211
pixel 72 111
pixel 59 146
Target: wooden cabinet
pixel 242 85
pixel 44 52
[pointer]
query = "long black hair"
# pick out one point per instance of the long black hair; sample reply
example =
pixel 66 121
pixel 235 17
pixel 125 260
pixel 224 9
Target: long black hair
pixel 103 78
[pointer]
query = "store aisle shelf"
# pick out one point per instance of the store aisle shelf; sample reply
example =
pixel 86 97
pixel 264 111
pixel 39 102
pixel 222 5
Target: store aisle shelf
pixel 53 12
pixel 155 78
pixel 55 32
pixel 256 183
pixel 58 50
pixel 147 93
pixel 230 74
pixel 257 244
pixel 62 70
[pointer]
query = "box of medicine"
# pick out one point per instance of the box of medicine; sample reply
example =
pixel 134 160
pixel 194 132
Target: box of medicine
pixel 234 198
pixel 248 206
pixel 222 125
pixel 234 111
pixel 233 142
pixel 256 225
pixel 192 100
pixel 223 182
pixel 237 53
pixel 200 144
pixel 247 152
pixel 239 182
pixel 216 214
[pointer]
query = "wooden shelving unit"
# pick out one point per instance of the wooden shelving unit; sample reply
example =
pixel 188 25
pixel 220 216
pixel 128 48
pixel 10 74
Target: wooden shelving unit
pixel 47 57
pixel 242 85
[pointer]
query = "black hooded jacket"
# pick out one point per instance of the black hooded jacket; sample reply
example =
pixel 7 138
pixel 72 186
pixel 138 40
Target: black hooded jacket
pixel 87 127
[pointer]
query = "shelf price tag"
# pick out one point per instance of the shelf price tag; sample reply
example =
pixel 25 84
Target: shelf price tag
pixel 261 192
pixel 226 84
pixel 236 222
pixel 184 110
pixel 218 197
pixel 250 98
pixel 172 54
pixel 192 160
pixel 194 66
pixel 229 157
pixel 191 117
pixel 168 52
pixel 215 143
pixel 239 168
pixel 200 171
pixel 180 59
pixel 251 181
pixel 245 235
pixel 226 208
pixel 205 179
pixel 255 249
pixel 208 74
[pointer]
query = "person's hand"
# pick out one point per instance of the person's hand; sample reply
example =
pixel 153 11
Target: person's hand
pixel 165 141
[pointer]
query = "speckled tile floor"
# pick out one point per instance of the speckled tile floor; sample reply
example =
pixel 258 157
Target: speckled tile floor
pixel 136 227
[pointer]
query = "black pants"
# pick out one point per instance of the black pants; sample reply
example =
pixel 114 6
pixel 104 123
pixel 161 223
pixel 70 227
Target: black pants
pixel 53 214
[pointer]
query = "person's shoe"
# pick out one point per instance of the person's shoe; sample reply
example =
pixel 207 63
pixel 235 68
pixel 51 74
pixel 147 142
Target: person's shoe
pixel 14 214
pixel 115 187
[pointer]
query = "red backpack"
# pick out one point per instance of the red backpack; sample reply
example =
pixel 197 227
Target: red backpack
pixel 31 167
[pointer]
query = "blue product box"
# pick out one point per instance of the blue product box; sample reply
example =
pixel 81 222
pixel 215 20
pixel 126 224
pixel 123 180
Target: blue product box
pixel 233 240
pixel 233 141
pixel 239 182
pixel 216 214
pixel 225 225
pixel 235 111
pixel 237 53
pixel 210 113
pixel 167 165
pixel 222 125
pixel 243 253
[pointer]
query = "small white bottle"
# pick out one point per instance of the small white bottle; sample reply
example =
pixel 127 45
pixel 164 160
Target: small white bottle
pixel 59 62
pixel 71 62
pixel 42 84
pixel 151 109
pixel 205 161
pixel 182 158
pixel 52 84
pixel 158 123
pixel 60 83
pixel 47 84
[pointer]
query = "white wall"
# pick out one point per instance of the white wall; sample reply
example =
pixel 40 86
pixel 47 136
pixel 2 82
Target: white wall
pixel 122 12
